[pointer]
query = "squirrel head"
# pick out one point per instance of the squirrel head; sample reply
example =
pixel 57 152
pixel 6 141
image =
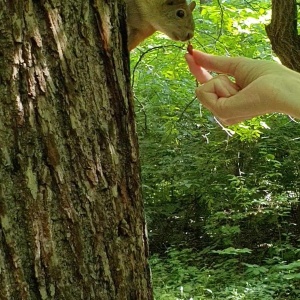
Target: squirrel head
pixel 175 19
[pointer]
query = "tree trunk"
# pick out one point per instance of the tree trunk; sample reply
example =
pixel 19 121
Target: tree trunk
pixel 71 212
pixel 283 33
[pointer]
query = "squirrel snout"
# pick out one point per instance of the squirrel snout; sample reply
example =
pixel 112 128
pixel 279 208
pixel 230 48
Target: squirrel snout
pixel 189 35
pixel 182 37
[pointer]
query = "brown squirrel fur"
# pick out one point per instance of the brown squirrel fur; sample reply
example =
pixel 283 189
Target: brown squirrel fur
pixel 172 17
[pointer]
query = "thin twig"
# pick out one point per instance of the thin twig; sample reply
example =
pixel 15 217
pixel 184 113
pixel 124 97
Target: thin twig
pixel 141 58
pixel 222 20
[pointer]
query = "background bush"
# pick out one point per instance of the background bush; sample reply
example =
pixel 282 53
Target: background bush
pixel 222 204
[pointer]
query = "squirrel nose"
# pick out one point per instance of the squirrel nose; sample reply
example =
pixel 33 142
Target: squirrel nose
pixel 189 35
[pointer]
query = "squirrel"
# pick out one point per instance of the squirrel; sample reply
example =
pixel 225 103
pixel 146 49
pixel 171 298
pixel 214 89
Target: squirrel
pixel 172 17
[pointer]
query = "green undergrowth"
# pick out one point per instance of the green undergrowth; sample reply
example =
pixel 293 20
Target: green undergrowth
pixel 189 275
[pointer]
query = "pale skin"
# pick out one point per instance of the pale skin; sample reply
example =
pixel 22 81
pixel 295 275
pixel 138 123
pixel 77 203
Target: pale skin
pixel 259 87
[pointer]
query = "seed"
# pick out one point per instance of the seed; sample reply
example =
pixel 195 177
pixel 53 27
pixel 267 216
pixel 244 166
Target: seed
pixel 190 48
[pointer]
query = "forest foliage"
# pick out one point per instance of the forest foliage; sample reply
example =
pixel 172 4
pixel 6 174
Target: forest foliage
pixel 222 203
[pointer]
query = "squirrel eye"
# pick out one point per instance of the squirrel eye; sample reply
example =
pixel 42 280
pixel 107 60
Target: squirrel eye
pixel 180 13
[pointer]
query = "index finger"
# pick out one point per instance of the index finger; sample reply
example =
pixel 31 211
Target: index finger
pixel 219 64
pixel 200 73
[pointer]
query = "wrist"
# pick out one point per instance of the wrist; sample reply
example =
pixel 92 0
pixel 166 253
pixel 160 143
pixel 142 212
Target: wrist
pixel 289 93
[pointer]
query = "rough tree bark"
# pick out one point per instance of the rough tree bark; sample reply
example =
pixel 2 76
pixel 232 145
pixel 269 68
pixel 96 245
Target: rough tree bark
pixel 71 212
pixel 283 33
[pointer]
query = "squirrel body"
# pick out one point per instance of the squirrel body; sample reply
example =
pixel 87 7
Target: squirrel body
pixel 172 17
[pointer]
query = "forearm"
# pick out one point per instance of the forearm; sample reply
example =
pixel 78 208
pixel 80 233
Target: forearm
pixel 289 93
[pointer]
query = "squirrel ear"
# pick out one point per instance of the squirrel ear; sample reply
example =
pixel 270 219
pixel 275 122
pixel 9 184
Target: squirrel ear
pixel 192 5
pixel 173 2
pixel 169 2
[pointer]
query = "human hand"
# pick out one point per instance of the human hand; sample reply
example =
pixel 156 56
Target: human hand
pixel 260 87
